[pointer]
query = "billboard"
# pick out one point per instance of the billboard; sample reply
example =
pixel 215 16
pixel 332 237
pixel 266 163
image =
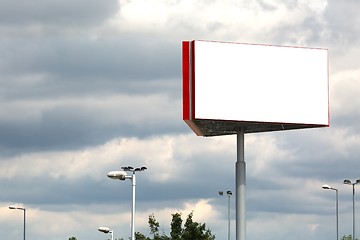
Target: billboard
pixel 227 86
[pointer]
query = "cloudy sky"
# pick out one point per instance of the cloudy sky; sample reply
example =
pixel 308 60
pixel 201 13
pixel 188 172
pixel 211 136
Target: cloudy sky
pixel 87 87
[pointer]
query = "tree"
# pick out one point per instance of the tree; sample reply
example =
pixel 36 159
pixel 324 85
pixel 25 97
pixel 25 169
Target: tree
pixel 195 230
pixel 176 226
pixel 348 237
pixel 140 236
pixel 154 229
pixel 190 230
pixel 72 238
pixel 154 226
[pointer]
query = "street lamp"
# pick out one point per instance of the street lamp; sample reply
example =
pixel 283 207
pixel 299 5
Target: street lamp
pixel 23 209
pixel 107 230
pixel 122 175
pixel 348 182
pixel 229 193
pixel 327 187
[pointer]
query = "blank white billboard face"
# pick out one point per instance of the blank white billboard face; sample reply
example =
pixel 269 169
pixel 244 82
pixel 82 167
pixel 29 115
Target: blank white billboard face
pixel 258 83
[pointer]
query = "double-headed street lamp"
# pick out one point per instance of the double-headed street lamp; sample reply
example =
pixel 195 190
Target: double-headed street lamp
pixel 348 182
pixel 229 193
pixel 23 209
pixel 122 175
pixel 325 186
pixel 107 230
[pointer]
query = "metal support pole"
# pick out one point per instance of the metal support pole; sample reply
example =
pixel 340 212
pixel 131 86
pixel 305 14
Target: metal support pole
pixel 353 198
pixel 337 215
pixel 240 188
pixel 133 179
pixel 24 221
pixel 229 216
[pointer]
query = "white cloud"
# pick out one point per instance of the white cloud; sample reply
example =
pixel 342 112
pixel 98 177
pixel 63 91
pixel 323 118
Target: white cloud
pixel 266 151
pixel 344 92
pixel 167 156
pixel 291 226
pixel 244 21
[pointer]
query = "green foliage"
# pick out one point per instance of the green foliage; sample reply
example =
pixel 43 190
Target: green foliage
pixel 72 238
pixel 154 229
pixel 194 230
pixel 154 226
pixel 176 226
pixel 190 230
pixel 348 237
pixel 140 236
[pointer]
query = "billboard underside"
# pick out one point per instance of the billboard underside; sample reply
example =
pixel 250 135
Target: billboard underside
pixel 210 128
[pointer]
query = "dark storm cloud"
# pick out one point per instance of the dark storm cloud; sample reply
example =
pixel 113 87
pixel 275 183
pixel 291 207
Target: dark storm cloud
pixel 65 13
pixel 75 127
pixel 81 65
pixel 321 155
pixel 118 58
pixel 55 68
pixel 62 191
pixel 58 133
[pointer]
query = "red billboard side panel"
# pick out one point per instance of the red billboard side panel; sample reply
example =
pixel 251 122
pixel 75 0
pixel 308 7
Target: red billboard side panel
pixel 186 80
pixel 188 71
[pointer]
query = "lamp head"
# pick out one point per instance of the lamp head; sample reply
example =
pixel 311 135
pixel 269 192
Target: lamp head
pixel 325 186
pixel 346 181
pixel 221 193
pixel 15 207
pixel 128 168
pixel 120 175
pixel 131 169
pixel 104 229
pixel 140 169
pixel 229 193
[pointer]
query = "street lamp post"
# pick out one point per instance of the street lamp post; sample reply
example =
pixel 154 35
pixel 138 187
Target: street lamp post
pixel 107 230
pixel 122 175
pixel 325 186
pixel 348 182
pixel 23 209
pixel 229 193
